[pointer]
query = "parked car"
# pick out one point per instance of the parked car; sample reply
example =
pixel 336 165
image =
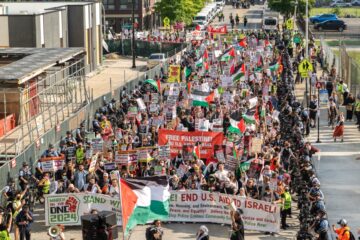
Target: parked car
pixel 154 59
pixel 340 4
pixel 338 25
pixel 355 3
pixel 323 17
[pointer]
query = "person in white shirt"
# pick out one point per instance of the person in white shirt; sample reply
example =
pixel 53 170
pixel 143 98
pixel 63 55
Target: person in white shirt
pixel 92 187
pixel 114 188
pixel 222 175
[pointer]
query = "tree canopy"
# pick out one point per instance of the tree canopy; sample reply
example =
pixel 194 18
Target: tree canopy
pixel 179 10
pixel 287 7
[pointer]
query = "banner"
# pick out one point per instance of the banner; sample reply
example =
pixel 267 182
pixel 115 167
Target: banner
pixel 221 30
pixel 68 208
pixel 203 206
pixel 174 73
pixel 190 206
pixel 177 139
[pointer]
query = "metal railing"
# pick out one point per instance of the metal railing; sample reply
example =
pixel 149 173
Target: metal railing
pixel 66 121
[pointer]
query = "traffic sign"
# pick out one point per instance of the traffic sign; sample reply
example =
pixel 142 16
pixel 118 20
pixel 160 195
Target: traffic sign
pixel 290 24
pixel 318 85
pixel 305 67
pixel 166 22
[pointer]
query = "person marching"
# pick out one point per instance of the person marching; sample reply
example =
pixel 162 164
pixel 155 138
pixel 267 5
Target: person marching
pixel 339 129
pixel 343 233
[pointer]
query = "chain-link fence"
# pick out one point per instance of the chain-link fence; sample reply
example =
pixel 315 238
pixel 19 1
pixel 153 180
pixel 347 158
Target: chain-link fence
pixel 346 67
pixel 143 48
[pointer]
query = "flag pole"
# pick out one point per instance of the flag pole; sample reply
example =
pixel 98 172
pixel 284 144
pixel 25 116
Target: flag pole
pixel 122 215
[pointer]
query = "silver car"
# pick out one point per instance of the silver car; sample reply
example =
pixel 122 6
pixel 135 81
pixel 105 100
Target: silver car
pixel 155 59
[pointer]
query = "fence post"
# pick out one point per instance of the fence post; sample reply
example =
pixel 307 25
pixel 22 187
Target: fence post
pixel 5 110
pixel 111 87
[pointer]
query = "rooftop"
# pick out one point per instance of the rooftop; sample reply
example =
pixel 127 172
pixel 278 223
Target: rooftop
pixel 33 61
pixel 30 8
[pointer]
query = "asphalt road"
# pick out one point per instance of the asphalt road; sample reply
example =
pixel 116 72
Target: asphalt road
pixel 352 30
pixel 338 171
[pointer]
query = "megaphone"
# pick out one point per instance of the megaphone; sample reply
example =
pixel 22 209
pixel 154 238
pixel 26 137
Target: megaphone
pixel 54 231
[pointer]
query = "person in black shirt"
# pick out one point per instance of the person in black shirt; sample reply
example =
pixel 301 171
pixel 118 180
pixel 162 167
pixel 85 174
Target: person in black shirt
pixel 24 220
pixel 238 232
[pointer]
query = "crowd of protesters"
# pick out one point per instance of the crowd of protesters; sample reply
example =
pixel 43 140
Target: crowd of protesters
pixel 255 105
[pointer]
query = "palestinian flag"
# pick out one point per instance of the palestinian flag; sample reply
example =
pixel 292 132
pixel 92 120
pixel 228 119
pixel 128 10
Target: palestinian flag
pixel 239 75
pixel 202 99
pixel 187 71
pixel 229 54
pixel 274 67
pixel 199 63
pixel 143 200
pixel 206 55
pixel 196 151
pixel 249 119
pixel 237 123
pixel 153 83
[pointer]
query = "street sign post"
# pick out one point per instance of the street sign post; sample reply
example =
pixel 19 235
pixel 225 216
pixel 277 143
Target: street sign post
pixel 305 67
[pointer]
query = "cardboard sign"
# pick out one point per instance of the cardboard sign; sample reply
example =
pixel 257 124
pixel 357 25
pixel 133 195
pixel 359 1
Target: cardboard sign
pixel 133 111
pixel 141 104
pixel 93 163
pixel 164 152
pixel 231 163
pixel 52 165
pixel 220 155
pixel 256 145
pixel 110 166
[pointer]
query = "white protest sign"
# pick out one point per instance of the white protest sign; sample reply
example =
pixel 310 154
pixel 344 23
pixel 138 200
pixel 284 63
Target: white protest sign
pixel 141 104
pixel 203 206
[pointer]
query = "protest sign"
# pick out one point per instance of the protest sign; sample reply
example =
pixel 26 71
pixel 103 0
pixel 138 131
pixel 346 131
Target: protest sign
pixel 110 166
pixel 226 81
pixel 67 209
pixel 231 163
pixel 324 97
pixel 126 157
pixel 97 145
pixel 143 154
pixel 141 104
pixel 93 163
pixel 164 152
pixel 220 155
pixel 177 139
pixel 153 107
pixel 256 145
pixel 154 98
pixel 203 206
pixel 52 164
pixel 133 111
pixel 253 102
pixel 118 134
pixel 174 73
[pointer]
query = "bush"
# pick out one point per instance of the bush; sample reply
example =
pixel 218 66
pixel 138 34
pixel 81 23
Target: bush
pixel 337 11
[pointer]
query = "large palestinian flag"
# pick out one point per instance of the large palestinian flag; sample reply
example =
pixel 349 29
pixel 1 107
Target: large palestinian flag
pixel 143 200
pixel 203 99
pixel 237 123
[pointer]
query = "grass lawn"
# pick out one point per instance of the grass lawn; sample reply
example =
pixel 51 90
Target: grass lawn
pixel 354 11
pixel 335 43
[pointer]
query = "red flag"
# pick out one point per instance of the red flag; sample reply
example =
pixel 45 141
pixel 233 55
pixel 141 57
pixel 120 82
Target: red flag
pixel 243 43
pixel 206 55
pixel 232 69
pixel 210 98
pixel 243 69
pixel 242 126
pixel 232 52
pixel 206 65
pixel 158 84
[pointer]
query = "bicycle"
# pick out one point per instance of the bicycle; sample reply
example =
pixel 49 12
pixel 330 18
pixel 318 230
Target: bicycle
pixel 34 194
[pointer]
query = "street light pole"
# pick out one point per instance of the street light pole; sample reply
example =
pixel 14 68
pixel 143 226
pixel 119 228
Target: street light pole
pixel 133 34
pixel 318 114
pixel 295 12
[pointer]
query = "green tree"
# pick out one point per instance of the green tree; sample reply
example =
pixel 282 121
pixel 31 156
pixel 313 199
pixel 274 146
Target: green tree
pixel 287 7
pixel 336 11
pixel 179 10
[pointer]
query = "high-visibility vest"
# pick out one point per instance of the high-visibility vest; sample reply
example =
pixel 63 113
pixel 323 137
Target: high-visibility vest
pixel 4 235
pixel 287 202
pixel 357 106
pixel 79 155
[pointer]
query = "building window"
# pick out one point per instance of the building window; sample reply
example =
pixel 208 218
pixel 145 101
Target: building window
pixel 127 4
pixel 109 4
pixel 146 3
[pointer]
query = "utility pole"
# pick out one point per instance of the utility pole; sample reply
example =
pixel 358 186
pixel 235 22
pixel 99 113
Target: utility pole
pixel 295 12
pixel 133 33
pixel 307 48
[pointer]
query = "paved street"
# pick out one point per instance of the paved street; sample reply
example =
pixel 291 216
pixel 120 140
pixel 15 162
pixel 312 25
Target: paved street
pixel 338 170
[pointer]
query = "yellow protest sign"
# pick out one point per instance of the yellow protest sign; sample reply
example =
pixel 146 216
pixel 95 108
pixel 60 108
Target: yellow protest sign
pixel 290 24
pixel 174 73
pixel 305 67
pixel 166 22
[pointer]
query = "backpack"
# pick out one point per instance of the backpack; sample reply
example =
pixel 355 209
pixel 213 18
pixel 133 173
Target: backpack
pixel 352 237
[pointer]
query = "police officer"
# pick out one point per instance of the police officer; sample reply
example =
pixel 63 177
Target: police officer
pixel 80 133
pixel 9 193
pixel 321 226
pixel 25 175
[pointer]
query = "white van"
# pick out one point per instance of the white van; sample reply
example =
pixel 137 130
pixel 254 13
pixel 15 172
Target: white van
pixel 270 20
pixel 220 3
pixel 201 19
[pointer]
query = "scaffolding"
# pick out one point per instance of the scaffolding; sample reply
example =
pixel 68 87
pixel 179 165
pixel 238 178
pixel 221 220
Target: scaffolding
pixel 59 92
